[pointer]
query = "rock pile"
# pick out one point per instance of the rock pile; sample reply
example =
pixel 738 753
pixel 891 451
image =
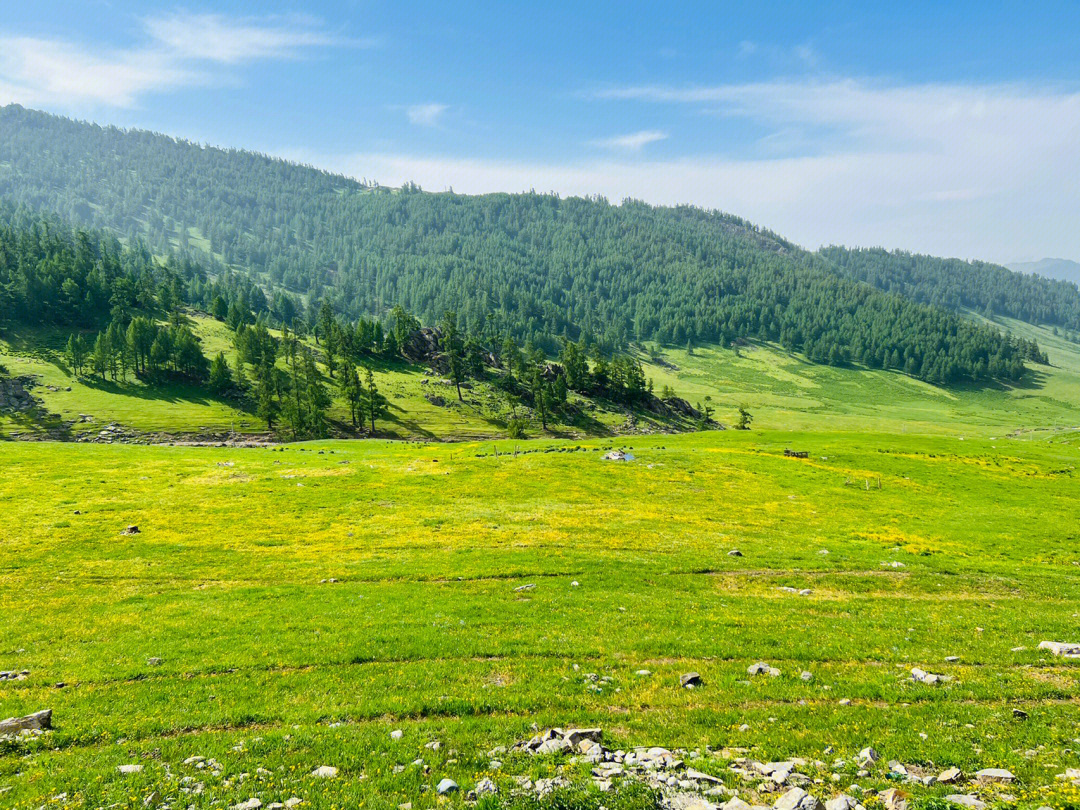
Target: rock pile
pixel 14 395
pixel 685 787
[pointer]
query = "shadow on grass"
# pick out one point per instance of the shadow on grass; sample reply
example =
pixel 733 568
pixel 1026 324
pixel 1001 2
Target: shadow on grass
pixel 38 421
pixel 172 392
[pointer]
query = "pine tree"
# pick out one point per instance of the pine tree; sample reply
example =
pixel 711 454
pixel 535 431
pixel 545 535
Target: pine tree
pixel 376 402
pixel 220 377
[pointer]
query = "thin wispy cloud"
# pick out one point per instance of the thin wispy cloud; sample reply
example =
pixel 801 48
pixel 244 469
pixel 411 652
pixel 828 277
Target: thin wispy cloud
pixel 633 142
pixel 178 50
pixel 218 38
pixel 426 115
pixel 973 170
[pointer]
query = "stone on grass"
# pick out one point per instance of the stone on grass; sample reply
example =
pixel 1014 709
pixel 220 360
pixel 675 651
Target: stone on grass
pixel 397 734
pixel 929 678
pixel 735 804
pixel 325 772
pixel 797 799
pixel 761 668
pixel 843 802
pixel 735 553
pixel 702 777
pixel 1065 649
pixel 38 721
pixel 948 776
pixel 250 804
pixel 690 680
pixel 894 799
pixel 446 786
pixel 127 770
pixel 869 755
pixel 486 786
pixel 994 775
pixel 966 800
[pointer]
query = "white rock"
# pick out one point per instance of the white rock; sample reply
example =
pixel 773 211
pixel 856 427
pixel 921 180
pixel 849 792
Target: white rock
pixel 966 800
pixel 994 775
pixel 397 734
pixel 1063 648
pixel 325 772
pixel 446 786
pixel 843 802
pixel 486 786
pixel 947 777
pixel 251 804
pixel 797 799
pixel 129 769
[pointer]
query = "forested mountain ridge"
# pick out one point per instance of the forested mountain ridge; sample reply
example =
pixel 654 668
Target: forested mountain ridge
pixel 532 266
pixel 954 283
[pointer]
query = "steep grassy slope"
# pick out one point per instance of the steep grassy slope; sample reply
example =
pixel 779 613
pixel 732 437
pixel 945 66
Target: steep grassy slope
pixel 181 409
pixel 267 662
pixel 781 389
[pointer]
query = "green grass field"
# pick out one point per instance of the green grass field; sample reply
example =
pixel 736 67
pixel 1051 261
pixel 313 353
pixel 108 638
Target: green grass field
pixel 967 549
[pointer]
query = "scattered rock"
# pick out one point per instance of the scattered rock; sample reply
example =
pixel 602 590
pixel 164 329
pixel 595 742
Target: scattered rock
pixel 447 786
pixel 761 668
pixel 250 804
pixel 153 662
pixel 325 772
pixel 690 680
pixel 397 734
pixel 734 553
pixel 1063 648
pixel 929 678
pixel 38 721
pixel 797 799
pixel 131 530
pixel 486 786
pixel 994 775
pixel 947 777
pixel 966 800
pixel 129 769
pixel 528 587
pixel 894 799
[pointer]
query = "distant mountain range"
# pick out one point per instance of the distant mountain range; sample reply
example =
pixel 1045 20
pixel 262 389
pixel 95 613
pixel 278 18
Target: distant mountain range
pixel 1061 269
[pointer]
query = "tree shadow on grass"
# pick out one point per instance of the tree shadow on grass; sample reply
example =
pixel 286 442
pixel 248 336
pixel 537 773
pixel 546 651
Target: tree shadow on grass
pixel 38 421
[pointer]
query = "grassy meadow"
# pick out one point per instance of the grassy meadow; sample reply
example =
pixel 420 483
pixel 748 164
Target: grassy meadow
pixel 781 389
pixel 305 601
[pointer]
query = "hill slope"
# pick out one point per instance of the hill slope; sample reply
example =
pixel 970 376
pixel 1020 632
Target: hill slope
pixel 533 266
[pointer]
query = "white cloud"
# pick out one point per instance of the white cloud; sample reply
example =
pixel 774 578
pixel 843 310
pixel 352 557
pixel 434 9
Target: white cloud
pixel 634 142
pixel 972 171
pixel 179 50
pixel 217 38
pixel 47 72
pixel 426 115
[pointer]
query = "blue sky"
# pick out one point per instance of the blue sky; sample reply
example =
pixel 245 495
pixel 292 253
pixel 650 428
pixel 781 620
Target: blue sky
pixel 951 128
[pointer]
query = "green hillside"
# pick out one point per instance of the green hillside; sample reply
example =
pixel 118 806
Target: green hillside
pixel 532 266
